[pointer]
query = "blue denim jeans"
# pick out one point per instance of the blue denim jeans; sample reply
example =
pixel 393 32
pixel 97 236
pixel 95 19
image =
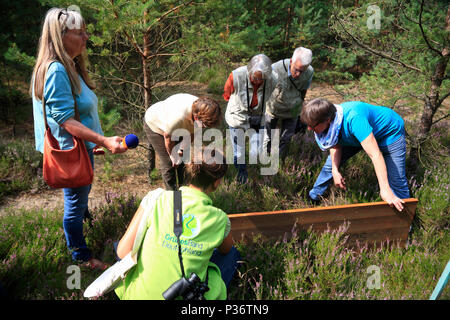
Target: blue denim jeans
pixel 227 263
pixel 255 144
pixel 394 155
pixel 75 208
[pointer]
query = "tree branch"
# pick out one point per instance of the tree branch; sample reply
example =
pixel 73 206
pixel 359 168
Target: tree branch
pixel 133 42
pixel 446 116
pixel 167 13
pixel 423 32
pixel 376 52
pixel 121 81
pixel 442 100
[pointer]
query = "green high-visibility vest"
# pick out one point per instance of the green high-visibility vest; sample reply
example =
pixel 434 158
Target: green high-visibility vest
pixel 158 265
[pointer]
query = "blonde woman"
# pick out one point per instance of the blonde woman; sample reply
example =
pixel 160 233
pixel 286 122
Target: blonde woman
pixel 59 76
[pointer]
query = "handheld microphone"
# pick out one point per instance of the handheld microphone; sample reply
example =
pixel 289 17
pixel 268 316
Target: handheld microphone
pixel 130 141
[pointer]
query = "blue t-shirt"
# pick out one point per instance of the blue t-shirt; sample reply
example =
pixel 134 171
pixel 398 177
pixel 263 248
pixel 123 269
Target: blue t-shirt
pixel 360 119
pixel 59 107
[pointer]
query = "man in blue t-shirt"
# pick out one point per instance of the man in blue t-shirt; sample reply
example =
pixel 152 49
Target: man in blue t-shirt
pixel 346 129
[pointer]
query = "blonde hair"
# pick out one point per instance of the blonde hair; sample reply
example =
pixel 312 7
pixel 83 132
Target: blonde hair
pixel 57 22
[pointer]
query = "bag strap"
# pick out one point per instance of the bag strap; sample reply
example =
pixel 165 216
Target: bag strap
pixel 75 106
pixel 178 225
pixel 178 228
pixel 290 78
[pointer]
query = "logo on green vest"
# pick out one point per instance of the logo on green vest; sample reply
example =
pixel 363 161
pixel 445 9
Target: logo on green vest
pixel 191 226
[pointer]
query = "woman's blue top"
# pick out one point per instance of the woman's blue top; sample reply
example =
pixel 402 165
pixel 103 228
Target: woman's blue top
pixel 59 107
pixel 360 119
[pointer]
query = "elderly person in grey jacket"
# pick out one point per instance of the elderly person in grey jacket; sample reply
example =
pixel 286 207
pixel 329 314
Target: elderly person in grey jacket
pixel 247 91
pixel 294 78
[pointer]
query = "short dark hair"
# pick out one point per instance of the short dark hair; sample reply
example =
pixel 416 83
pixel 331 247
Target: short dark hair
pixel 317 111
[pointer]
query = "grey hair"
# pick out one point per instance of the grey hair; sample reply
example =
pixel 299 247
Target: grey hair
pixel 302 54
pixel 261 63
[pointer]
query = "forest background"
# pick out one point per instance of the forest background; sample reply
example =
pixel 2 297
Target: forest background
pixel 393 53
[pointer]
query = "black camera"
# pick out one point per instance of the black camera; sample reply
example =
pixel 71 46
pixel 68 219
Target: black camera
pixel 189 289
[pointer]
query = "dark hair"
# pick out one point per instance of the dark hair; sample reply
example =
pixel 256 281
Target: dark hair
pixel 204 173
pixel 208 111
pixel 317 111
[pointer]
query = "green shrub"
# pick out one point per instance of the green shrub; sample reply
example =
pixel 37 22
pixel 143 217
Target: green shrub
pixel 20 167
pixel 34 257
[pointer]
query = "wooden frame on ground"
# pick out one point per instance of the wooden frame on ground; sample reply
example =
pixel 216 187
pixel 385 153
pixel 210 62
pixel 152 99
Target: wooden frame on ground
pixel 369 223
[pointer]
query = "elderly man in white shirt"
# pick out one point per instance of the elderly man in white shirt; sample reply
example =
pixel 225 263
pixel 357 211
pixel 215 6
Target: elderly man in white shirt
pixel 294 79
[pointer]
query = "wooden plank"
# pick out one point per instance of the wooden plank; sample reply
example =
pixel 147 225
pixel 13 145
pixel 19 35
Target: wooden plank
pixel 371 223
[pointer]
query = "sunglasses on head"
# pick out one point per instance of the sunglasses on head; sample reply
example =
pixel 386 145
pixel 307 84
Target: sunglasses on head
pixel 63 11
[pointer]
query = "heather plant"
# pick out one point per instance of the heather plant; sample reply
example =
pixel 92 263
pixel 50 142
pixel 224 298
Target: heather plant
pixel 301 265
pixel 33 252
pixel 20 167
pixel 322 267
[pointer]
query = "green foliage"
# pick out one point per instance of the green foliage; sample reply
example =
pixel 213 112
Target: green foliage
pixel 109 117
pixel 204 42
pixel 20 25
pixel 236 30
pixel 13 105
pixel 19 34
pixel 109 224
pixel 304 265
pixel 33 253
pixel 214 76
pixel 32 248
pixel 20 167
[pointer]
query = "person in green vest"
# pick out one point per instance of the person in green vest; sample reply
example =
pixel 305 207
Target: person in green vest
pixel 285 104
pixel 206 242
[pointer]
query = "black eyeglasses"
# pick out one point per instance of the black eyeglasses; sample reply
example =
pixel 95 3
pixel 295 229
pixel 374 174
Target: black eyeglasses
pixel 314 126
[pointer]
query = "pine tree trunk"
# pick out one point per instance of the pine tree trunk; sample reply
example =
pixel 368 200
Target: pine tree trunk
pixel 148 97
pixel 432 100
pixel 147 74
pixel 288 23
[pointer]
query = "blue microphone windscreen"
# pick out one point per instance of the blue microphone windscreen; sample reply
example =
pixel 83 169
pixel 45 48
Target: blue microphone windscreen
pixel 131 141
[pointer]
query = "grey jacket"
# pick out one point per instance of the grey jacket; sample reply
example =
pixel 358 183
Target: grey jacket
pixel 286 100
pixel 237 114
